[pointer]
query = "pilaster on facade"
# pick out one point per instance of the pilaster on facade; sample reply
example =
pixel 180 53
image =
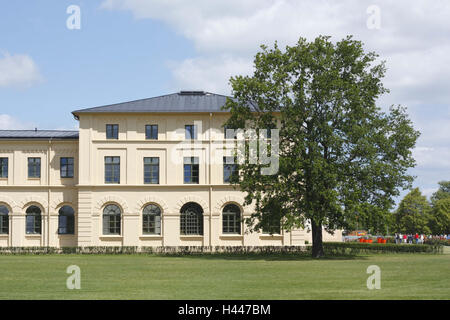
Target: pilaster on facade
pixel 84 218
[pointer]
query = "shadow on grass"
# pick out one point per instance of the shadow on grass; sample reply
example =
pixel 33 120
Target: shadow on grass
pixel 263 257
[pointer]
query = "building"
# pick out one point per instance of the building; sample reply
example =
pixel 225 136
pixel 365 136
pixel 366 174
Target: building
pixel 149 172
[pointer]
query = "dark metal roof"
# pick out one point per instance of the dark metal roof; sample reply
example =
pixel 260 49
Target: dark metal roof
pixel 183 101
pixel 39 134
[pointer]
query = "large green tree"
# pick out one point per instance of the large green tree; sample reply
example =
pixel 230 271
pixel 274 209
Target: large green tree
pixel 412 215
pixel 340 155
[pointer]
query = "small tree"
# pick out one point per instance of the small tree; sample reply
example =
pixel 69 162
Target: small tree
pixel 412 215
pixel 440 217
pixel 340 156
pixel 442 193
pixel 440 214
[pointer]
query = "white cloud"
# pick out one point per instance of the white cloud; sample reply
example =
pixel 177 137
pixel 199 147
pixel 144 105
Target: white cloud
pixel 428 192
pixel 435 157
pixel 434 126
pixel 202 73
pixel 419 76
pixel 10 123
pixel 18 70
pixel 413 39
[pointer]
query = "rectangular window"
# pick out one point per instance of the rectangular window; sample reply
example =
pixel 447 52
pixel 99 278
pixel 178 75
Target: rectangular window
pixel 3 167
pixel 4 223
pixel 272 229
pixel 66 167
pixel 151 224
pixel 33 224
pixel 151 131
pixel 112 169
pixel 190 132
pixel 112 131
pixel 191 170
pixel 34 167
pixel 229 134
pixel 151 170
pixel 229 169
pixel 66 224
pixel 111 224
pixel 231 223
pixel 271 226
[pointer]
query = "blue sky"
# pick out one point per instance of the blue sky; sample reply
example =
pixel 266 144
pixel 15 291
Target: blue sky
pixel 111 58
pixel 133 49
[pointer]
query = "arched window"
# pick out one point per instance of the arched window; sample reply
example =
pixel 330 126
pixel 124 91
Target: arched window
pixel 4 220
pixel 231 219
pixel 66 221
pixel 33 220
pixel 151 220
pixel 191 219
pixel 111 219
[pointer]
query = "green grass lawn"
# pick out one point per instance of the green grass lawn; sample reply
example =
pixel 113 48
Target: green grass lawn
pixel 403 276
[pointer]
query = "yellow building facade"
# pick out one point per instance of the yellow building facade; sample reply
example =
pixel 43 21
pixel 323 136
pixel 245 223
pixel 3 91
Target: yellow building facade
pixel 143 173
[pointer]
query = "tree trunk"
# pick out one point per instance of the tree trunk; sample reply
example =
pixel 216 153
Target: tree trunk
pixel 317 244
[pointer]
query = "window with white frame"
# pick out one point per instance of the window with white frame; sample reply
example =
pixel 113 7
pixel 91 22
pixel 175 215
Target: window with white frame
pixel 231 219
pixel 3 167
pixel 4 220
pixel 66 220
pixel 112 169
pixel 151 170
pixel 34 167
pixel 191 219
pixel 33 220
pixel 151 220
pixel 111 220
pixel 191 170
pixel 112 131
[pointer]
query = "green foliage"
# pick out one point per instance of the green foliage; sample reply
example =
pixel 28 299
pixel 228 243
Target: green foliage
pixel 442 193
pixel 331 248
pixel 412 215
pixel 440 217
pixel 437 241
pixel 439 221
pixel 69 250
pixel 342 159
pixel 162 250
pixel 353 248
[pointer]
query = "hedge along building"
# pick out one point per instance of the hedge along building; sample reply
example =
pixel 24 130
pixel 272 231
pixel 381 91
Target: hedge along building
pixel 149 172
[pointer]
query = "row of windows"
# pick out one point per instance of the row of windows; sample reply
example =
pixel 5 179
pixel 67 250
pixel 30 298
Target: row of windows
pixel 112 169
pixel 151 170
pixel 230 133
pixel 33 220
pixel 34 167
pixel 151 132
pixel 191 220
